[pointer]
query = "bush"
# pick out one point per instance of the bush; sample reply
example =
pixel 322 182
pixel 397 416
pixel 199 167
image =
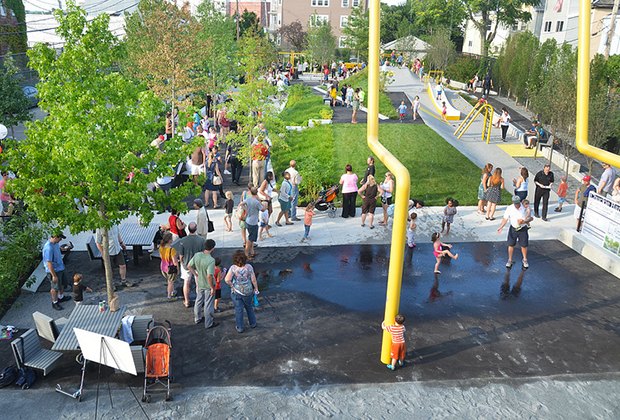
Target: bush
pixel 19 253
pixel 463 69
pixel 360 79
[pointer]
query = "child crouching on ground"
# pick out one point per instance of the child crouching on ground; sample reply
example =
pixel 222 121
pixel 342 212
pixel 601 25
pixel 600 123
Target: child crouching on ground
pixel 398 341
pixel 411 229
pixel 79 288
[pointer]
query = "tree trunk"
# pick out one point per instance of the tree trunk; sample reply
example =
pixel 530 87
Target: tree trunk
pixel 107 265
pixel 612 27
pixel 13 132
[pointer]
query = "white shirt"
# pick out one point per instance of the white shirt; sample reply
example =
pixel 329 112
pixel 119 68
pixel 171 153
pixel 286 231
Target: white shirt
pixel 505 119
pixel 201 222
pixel 114 243
pixel 513 215
pixel 295 177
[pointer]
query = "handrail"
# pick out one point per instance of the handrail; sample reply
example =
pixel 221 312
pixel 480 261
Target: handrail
pixel 397 249
pixel 583 91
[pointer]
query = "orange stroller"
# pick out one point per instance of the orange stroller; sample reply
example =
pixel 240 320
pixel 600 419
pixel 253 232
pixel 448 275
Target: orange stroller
pixel 157 367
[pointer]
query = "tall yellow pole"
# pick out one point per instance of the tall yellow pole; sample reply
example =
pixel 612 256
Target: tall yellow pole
pixel 583 90
pixel 397 250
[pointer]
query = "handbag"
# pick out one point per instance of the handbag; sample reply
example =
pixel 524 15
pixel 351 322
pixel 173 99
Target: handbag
pixel 210 227
pixel 217 180
pixel 172 269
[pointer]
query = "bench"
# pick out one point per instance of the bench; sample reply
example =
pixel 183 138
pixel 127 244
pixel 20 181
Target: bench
pixel 139 328
pixel 46 327
pixel 93 252
pixel 544 142
pixel 28 352
pixel 139 357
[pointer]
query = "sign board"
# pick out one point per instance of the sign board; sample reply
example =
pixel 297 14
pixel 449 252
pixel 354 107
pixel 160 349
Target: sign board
pixel 106 350
pixel 601 223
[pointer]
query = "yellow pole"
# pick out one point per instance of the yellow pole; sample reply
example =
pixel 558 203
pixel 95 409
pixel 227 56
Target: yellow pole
pixel 397 250
pixel 583 90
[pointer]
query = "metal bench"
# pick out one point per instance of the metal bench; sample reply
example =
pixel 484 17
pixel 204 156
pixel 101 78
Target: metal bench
pixel 139 359
pixel 93 251
pixel 38 275
pixel 28 352
pixel 46 327
pixel 139 327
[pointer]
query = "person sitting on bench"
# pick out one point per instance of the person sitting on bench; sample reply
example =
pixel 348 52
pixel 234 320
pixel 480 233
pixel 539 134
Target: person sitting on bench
pixel 531 136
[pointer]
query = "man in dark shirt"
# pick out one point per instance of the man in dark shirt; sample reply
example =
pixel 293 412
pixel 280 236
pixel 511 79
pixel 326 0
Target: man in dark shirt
pixel 370 170
pixel 543 180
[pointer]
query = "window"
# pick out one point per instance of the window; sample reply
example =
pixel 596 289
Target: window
pixel 547 26
pixel 470 44
pixel 344 21
pixel 342 42
pixel 345 3
pixel 318 20
pixel 559 26
pixel 355 3
pixel 320 3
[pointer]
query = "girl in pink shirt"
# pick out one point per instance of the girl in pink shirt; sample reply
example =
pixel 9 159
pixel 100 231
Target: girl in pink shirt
pixel 308 221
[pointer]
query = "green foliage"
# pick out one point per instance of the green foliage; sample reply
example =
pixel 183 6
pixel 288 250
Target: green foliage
pixel 255 54
pixel 463 69
pixel 442 51
pixel 303 105
pixel 15 38
pixel 20 251
pixel 13 103
pixel 356 32
pixel 321 43
pixel 433 14
pixel 396 22
pixel 360 79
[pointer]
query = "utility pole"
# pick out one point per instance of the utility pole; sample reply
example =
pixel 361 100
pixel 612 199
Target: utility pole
pixel 612 27
pixel 238 17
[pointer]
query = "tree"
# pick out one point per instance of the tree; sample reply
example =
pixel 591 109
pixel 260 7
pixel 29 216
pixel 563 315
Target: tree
pixel 249 23
pixel 159 42
pixel 431 15
pixel 13 103
pixel 294 35
pixel 356 32
pixel 442 50
pixel 396 22
pixel 487 15
pixel 321 43
pixel 96 131
pixel 256 53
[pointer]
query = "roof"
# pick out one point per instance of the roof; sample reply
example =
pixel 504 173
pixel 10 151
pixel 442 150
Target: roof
pixel 602 4
pixel 407 43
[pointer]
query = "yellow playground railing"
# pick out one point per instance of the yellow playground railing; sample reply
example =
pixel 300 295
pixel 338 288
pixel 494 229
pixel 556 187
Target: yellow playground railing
pixel 482 108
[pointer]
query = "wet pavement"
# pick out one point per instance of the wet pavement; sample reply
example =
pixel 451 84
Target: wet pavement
pixel 320 310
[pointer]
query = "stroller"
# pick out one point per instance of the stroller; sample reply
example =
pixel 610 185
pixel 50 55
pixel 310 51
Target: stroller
pixel 325 201
pixel 157 368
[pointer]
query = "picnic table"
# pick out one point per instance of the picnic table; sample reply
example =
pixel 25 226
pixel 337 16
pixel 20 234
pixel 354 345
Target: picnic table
pixel 89 318
pixel 137 236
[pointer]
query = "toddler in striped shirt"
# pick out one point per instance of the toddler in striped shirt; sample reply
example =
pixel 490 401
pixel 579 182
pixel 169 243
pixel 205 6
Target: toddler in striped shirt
pixel 398 341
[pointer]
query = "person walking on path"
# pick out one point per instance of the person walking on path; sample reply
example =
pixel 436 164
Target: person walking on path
pixel 515 215
pixel 259 156
pixel 251 221
pixel 265 190
pixel 202 266
pixel 348 180
pixel 482 188
pixel 562 191
pixel 369 192
pixel 543 180
pixel 495 185
pixel 295 179
pixel 521 183
pixel 416 108
pixel 402 111
pixel 186 248
pixel 55 269
pixel 605 186
pixel 168 264
pixel 213 180
pixel 504 122
pixel 284 198
pixel 399 348
pixel 356 105
pixel 487 85
pixel 243 286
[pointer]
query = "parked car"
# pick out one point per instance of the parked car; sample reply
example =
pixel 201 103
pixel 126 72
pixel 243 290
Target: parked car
pixel 31 92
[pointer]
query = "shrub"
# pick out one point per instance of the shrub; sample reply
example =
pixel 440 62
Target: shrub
pixel 303 105
pixel 463 69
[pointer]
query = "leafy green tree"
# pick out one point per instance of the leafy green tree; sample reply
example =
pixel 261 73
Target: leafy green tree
pixel 487 15
pixel 433 14
pixel 248 23
pixel 521 65
pixel 294 35
pixel 396 22
pixel 442 50
pixel 255 54
pixel 356 32
pixel 96 132
pixel 160 42
pixel 322 43
pixel 13 103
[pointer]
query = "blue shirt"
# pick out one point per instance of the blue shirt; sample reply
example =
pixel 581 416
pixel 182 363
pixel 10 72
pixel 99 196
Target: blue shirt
pixel 51 252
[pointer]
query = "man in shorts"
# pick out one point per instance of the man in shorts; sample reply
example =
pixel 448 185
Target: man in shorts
pixel 186 248
pixel 116 246
pixel 515 214
pixel 55 269
pixel 251 220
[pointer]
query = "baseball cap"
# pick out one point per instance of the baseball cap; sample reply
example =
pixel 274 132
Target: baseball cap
pixel 587 178
pixel 516 199
pixel 57 233
pixel 198 202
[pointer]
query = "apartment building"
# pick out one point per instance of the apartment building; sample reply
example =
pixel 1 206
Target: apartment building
pixel 311 12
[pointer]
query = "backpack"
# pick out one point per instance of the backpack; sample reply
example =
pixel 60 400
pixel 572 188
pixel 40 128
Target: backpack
pixel 241 212
pixel 8 376
pixel 26 377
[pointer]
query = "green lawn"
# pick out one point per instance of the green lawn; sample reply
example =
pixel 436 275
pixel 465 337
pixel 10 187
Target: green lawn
pixel 437 169
pixel 360 79
pixel 303 105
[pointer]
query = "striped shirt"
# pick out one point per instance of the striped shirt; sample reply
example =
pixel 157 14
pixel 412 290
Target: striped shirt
pixel 398 333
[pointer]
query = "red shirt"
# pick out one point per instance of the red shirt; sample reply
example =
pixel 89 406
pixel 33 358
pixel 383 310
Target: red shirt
pixel 398 333
pixel 562 189
pixel 172 221
pixel 259 151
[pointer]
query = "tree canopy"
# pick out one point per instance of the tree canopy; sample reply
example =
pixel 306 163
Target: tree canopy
pixel 322 43
pixel 13 103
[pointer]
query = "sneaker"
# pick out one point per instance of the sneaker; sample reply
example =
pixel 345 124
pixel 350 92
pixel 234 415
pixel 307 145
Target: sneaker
pixel 215 324
pixel 525 264
pixel 557 209
pixel 391 367
pixel 401 363
pixel 509 264
pixel 57 306
pixel 200 321
pixel 64 299
pixel 239 330
pixel 226 172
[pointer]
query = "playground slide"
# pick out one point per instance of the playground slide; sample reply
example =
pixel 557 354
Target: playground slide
pixel 452 114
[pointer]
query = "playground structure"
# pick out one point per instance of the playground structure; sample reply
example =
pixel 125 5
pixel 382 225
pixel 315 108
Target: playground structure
pixel 482 108
pixel 452 114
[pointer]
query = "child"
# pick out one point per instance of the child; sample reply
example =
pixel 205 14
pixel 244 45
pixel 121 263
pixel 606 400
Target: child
pixel 308 221
pixel 402 111
pixel 528 211
pixel 263 218
pixel 229 205
pixel 416 108
pixel 441 250
pixel 411 230
pixel 439 91
pixel 448 214
pixel 562 190
pixel 218 274
pixel 398 341
pixel 444 112
pixel 78 289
